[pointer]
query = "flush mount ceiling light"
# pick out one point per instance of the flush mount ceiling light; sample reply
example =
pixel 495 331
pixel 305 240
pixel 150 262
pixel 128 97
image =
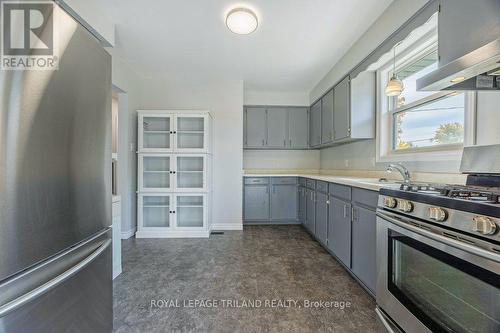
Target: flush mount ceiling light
pixel 395 85
pixel 241 21
pixel 457 79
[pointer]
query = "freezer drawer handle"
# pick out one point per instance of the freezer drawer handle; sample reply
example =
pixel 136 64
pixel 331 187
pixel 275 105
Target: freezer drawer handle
pixel 33 294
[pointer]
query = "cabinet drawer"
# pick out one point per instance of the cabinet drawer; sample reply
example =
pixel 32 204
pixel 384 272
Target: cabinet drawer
pixel 256 180
pixel 284 180
pixel 340 191
pixel 302 181
pixel 311 183
pixel 322 186
pixel 365 197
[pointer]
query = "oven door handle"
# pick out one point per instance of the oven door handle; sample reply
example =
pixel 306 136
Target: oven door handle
pixel 442 239
pixel 386 322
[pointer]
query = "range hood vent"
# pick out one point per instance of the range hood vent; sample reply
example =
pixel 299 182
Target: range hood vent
pixel 469 47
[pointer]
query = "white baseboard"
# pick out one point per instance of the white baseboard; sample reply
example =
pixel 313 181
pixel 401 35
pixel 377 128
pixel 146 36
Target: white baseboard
pixel 226 226
pixel 128 234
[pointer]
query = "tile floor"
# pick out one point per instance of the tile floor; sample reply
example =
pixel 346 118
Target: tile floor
pixel 262 263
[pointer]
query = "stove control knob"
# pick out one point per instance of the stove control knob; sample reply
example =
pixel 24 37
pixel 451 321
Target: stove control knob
pixel 438 214
pixel 405 206
pixel 390 202
pixel 483 225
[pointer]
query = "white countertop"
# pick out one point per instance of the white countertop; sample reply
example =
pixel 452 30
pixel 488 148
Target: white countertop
pixel 360 182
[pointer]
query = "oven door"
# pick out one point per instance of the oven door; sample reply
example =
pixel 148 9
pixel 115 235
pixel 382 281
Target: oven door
pixel 427 282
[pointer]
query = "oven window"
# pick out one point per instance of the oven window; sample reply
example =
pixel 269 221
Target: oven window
pixel 444 292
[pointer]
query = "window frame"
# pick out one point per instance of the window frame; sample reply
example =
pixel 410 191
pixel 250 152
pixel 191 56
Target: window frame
pixel 386 134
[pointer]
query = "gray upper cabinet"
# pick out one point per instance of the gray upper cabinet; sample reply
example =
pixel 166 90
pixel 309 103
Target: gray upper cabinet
pixel 363 257
pixel 284 200
pixel 255 127
pixel 321 217
pixel 298 128
pixel 327 118
pixel 339 230
pixel 277 129
pixel 256 202
pixel 315 124
pixel 342 109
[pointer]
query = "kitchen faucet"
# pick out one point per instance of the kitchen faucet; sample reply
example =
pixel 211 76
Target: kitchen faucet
pixel 402 170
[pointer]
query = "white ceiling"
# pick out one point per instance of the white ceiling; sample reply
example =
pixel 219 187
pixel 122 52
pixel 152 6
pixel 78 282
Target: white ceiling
pixel 296 44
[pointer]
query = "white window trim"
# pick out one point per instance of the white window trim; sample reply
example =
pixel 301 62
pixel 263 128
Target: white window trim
pixel 385 126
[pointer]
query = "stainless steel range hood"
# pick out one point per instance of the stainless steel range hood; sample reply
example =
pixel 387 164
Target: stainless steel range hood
pixel 469 47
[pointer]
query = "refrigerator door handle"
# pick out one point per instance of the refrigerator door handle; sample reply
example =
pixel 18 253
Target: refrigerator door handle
pixel 49 285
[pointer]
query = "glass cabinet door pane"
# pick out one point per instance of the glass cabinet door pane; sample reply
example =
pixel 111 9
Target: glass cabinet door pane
pixel 156 172
pixel 190 172
pixel 156 132
pixel 190 132
pixel 189 211
pixel 156 211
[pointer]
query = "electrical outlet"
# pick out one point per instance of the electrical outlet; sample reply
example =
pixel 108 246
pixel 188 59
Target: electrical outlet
pixel 373 161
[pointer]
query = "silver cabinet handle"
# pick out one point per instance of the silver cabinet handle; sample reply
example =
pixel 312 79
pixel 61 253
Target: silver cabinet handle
pixel 51 284
pixel 284 143
pixel 290 142
pixel 262 141
pixel 345 211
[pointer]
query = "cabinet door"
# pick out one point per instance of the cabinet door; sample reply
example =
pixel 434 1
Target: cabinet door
pixel 256 202
pixel 155 173
pixel 315 124
pixel 191 133
pixel 154 211
pixel 302 204
pixel 155 133
pixel 277 132
pixel 310 210
pixel 190 172
pixel 297 128
pixel 321 217
pixel 190 211
pixel 342 110
pixel 363 259
pixel 327 118
pixel 284 202
pixel 255 127
pixel 339 230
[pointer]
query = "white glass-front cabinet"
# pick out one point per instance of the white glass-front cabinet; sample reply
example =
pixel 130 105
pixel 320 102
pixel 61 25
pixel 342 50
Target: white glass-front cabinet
pixel 173 215
pixel 173 132
pixel 174 176
pixel 172 172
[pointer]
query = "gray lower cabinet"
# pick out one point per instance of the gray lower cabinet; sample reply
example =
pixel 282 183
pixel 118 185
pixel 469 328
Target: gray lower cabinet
pixel 321 229
pixel 277 127
pixel 298 128
pixel 302 204
pixel 256 202
pixel 310 210
pixel 315 124
pixel 363 256
pixel 327 118
pixel 284 202
pixel 255 127
pixel 339 230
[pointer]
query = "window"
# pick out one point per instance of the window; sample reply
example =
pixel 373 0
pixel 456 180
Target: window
pixel 420 125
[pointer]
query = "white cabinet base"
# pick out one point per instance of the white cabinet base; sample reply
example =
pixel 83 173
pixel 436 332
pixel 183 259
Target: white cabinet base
pixel 172 234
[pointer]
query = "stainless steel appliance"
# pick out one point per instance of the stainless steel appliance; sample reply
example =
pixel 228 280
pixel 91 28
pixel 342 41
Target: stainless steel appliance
pixel 55 190
pixel 438 252
pixel 469 47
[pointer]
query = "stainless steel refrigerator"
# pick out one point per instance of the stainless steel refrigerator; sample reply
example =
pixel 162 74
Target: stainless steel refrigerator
pixel 55 191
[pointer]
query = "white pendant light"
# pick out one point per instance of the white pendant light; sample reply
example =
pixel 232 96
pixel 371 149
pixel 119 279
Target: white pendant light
pixel 395 86
pixel 242 21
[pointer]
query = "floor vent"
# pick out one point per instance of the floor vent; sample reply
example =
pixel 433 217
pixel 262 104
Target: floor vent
pixel 217 233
